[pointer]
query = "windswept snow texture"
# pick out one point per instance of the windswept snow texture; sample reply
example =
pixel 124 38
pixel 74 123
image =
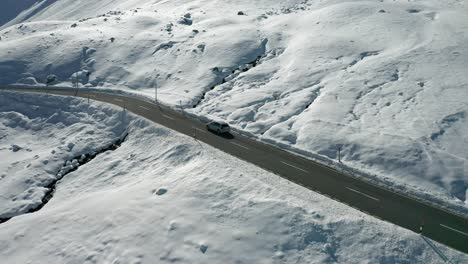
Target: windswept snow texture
pixel 37 135
pixel 162 198
pixel 386 79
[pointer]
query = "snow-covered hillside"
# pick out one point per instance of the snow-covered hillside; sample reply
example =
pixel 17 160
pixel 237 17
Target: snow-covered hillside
pixel 37 135
pixel 162 198
pixel 384 80
pixel 12 10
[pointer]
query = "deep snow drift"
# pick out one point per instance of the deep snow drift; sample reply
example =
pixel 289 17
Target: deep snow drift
pixel 163 197
pixel 385 81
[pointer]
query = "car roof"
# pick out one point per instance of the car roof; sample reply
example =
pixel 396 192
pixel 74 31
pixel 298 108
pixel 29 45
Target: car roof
pixel 219 122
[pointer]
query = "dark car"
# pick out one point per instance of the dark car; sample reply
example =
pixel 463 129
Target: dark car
pixel 218 127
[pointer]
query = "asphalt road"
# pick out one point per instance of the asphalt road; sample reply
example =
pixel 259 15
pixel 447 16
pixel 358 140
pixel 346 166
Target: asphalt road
pixel 437 224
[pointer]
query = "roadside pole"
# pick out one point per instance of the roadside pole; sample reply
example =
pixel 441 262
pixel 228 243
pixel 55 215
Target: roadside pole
pixel 339 153
pixel 156 94
pixel 77 86
pixel 76 83
pixel 123 111
pixel 180 106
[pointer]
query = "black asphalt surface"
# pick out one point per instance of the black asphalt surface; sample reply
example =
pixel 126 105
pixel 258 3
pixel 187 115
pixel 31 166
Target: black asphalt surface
pixel 437 224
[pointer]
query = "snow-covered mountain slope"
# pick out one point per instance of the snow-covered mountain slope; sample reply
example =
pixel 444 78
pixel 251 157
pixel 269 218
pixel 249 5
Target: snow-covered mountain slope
pixel 37 135
pixel 165 198
pixel 13 10
pixel 382 80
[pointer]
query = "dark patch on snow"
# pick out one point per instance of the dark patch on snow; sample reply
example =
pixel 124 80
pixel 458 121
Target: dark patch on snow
pixel 368 54
pixel 203 248
pixel 160 191
pixel 364 55
pixel 446 123
pixel 164 46
pixel 222 77
pixel 458 189
pixel 79 161
pixel 369 90
pixel 293 8
pixel 200 48
pixel 168 28
pixel 186 19
pixel 413 11
pixel 314 96
pixel 15 148
pixel 395 76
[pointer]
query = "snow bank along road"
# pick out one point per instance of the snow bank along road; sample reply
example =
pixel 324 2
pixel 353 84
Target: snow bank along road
pixel 437 224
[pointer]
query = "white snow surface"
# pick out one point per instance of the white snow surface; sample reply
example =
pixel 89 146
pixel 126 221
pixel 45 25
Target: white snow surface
pixel 37 136
pixel 385 80
pixel 162 197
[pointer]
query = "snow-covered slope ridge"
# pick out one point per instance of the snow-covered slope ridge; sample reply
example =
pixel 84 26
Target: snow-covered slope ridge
pixel 14 10
pixel 164 198
pixel 384 80
pixel 37 136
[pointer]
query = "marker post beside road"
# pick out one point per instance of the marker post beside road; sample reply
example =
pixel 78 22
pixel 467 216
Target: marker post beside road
pixel 156 95
pixel 339 153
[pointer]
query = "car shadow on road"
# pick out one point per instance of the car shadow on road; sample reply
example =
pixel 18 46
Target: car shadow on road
pixel 224 135
pixel 227 136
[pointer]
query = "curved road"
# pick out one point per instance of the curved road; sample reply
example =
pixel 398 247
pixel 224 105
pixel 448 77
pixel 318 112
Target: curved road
pixel 436 223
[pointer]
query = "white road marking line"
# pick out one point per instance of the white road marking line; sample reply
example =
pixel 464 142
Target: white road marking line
pixel 168 117
pixel 366 195
pixel 200 130
pixel 146 108
pixel 119 100
pixel 290 165
pixel 239 145
pixel 453 229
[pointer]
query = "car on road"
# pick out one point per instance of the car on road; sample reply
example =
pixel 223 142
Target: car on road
pixel 218 127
